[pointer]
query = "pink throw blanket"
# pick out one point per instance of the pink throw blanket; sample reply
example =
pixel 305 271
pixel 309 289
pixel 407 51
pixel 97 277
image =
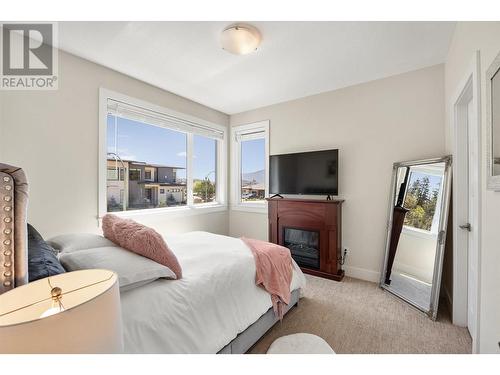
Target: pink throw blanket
pixel 274 271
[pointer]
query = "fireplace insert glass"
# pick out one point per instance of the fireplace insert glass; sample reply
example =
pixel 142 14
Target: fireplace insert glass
pixel 304 246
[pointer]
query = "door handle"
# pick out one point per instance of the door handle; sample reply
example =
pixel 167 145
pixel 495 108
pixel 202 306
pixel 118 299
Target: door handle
pixel 466 227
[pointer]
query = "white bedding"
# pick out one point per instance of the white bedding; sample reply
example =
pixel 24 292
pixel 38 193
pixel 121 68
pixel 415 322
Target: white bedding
pixel 214 301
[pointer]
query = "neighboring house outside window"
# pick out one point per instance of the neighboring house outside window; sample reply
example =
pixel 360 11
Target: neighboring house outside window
pixel 115 187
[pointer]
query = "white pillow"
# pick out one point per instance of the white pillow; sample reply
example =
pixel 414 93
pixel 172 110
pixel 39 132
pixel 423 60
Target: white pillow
pixel 78 241
pixel 133 270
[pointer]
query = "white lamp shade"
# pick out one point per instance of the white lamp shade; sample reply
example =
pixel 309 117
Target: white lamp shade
pixel 90 322
pixel 240 39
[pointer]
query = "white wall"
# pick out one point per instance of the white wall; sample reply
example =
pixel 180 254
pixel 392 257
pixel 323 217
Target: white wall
pixel 468 38
pixel 374 125
pixel 53 135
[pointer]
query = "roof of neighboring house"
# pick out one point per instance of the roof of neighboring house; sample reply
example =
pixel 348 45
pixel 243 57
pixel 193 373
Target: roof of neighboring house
pixel 142 163
pixel 163 166
pixel 254 187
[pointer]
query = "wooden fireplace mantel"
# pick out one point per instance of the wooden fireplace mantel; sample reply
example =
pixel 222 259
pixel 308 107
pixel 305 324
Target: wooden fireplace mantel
pixel 322 216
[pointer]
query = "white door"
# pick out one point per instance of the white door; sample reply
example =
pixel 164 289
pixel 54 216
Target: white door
pixel 466 207
pixel 472 255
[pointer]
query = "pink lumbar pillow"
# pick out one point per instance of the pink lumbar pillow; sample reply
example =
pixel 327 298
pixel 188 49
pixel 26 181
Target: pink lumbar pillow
pixel 141 240
pixel 108 221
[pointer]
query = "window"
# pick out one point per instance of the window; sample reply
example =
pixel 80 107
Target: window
pixel 250 166
pixel 253 170
pixel 114 173
pixel 134 175
pixel 422 199
pixel 156 159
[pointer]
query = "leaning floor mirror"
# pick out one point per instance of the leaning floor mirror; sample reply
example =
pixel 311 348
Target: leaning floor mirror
pixel 418 216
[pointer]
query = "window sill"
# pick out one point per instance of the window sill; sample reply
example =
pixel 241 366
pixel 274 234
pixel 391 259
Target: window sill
pixel 260 208
pixel 199 209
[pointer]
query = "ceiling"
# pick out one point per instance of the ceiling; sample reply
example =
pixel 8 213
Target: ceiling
pixel 295 59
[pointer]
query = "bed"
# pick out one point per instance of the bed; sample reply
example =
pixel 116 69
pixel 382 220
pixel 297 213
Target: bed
pixel 215 308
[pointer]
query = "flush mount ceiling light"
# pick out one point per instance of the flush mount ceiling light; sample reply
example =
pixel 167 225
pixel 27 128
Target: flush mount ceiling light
pixel 240 39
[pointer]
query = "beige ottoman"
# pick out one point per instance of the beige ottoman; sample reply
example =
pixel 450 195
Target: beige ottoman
pixel 300 343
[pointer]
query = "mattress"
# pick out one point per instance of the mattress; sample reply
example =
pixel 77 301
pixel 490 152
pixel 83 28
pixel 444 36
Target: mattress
pixel 216 299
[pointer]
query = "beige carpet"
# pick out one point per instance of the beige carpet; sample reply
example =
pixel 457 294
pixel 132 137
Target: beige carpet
pixel 356 316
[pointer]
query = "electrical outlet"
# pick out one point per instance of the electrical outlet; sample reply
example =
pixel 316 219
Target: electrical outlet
pixel 344 256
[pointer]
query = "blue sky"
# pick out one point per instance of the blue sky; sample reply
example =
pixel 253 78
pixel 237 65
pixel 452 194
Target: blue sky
pixel 204 157
pixel 152 144
pixel 253 155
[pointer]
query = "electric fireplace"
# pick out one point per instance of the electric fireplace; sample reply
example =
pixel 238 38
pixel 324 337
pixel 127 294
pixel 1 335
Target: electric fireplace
pixel 303 245
pixel 312 230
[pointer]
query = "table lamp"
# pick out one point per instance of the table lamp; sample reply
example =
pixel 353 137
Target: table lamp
pixel 74 312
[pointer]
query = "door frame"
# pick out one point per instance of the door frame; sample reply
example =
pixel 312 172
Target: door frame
pixel 468 89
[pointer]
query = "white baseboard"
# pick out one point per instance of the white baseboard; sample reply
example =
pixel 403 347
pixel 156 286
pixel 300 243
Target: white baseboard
pixel 362 273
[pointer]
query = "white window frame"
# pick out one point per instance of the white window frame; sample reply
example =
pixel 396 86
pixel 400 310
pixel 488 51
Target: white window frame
pixel 254 130
pixel 190 208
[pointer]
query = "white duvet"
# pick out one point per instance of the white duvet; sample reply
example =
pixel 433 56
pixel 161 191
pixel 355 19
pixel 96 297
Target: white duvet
pixel 214 301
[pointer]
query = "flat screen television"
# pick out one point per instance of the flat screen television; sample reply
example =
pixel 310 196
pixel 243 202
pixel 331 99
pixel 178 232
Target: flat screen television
pixel 314 173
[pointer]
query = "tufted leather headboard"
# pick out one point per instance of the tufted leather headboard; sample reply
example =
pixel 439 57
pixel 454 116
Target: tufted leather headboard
pixel 13 231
